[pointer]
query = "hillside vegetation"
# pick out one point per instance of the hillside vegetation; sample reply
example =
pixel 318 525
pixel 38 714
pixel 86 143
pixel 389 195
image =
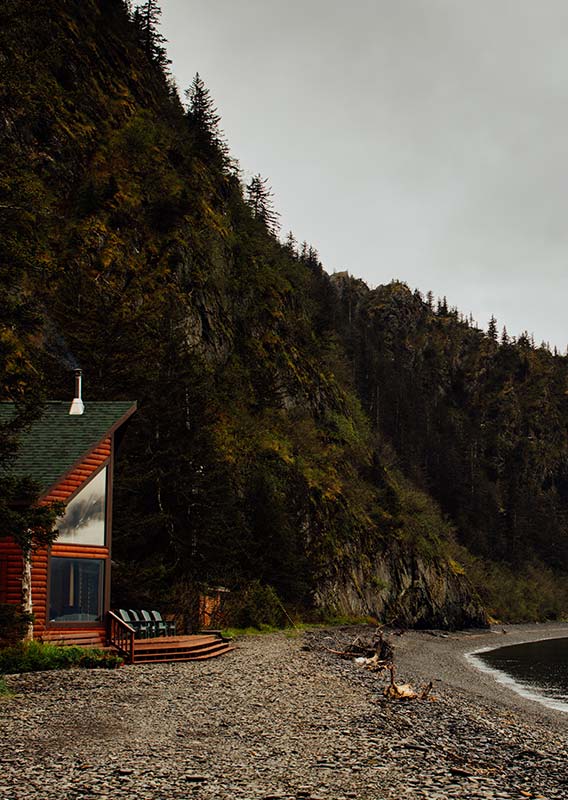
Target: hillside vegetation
pixel 358 451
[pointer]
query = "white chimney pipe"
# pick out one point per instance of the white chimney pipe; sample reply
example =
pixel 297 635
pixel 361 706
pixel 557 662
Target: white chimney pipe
pixel 77 406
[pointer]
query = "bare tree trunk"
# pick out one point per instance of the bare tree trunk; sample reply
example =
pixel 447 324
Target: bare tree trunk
pixel 27 605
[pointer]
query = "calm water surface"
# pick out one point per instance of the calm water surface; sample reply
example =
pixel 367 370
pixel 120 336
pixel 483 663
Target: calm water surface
pixel 538 670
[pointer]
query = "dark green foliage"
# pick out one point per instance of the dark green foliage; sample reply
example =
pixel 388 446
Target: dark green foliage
pixel 204 125
pixel 30 525
pixel 13 625
pixel 481 426
pixel 99 659
pixel 254 606
pixel 146 19
pixel 37 657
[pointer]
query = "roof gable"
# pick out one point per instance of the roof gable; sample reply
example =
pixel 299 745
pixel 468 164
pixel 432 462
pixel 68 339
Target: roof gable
pixel 56 441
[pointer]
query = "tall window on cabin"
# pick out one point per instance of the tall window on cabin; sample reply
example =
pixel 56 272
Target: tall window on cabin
pixel 84 518
pixel 76 589
pixel 76 585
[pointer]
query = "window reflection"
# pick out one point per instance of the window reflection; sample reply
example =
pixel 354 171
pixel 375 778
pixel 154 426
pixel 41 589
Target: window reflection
pixel 84 518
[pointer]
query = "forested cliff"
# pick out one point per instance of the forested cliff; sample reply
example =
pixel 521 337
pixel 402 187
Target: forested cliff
pixel 360 451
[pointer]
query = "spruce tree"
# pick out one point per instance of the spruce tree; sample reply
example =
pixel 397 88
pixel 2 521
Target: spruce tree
pixel 312 258
pixel 291 245
pixel 204 122
pixel 147 20
pixel 259 197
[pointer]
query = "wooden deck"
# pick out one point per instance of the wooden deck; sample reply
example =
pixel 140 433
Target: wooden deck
pixel 179 648
pixel 196 647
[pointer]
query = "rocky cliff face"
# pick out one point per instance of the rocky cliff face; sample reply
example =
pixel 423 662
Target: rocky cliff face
pixel 406 590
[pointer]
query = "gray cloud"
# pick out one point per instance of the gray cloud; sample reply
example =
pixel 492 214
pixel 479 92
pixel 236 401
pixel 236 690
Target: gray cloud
pixel 417 139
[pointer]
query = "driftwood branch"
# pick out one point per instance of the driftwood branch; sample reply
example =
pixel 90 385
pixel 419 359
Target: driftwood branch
pixel 342 653
pixel 377 655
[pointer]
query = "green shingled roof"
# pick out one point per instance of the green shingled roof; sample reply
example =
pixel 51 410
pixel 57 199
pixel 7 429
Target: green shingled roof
pixel 57 440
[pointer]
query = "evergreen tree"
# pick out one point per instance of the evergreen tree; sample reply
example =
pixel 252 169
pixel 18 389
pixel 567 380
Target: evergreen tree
pixel 259 198
pixel 310 257
pixel 31 525
pixel 204 122
pixel 291 245
pixel 147 20
pixel 492 329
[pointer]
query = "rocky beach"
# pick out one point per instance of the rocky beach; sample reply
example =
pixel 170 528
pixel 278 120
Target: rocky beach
pixel 281 718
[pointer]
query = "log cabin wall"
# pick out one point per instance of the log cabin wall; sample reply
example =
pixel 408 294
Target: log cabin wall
pixel 11 578
pixel 10 572
pixel 11 556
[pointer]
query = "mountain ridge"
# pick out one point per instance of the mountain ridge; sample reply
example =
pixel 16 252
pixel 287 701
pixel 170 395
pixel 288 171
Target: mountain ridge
pixel 260 452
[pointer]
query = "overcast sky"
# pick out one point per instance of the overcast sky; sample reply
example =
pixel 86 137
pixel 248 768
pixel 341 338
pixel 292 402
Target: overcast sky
pixel 424 140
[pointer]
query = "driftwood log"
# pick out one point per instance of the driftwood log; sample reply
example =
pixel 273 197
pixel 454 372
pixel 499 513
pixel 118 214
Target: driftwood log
pixel 377 655
pixel 377 649
pixel 404 691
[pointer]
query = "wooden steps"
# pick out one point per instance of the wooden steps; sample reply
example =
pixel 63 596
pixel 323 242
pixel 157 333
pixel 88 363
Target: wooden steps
pixel 179 648
pixel 79 638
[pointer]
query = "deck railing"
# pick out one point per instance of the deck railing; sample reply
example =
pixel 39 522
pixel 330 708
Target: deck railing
pixel 120 635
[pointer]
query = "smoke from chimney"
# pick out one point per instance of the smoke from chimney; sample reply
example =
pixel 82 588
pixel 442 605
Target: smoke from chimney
pixel 77 406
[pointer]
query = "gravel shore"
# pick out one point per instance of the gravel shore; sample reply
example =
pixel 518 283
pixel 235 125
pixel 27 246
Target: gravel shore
pixel 281 718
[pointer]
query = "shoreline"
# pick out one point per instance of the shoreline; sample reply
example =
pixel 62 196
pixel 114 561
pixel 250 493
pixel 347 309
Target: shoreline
pixel 445 659
pixel 474 737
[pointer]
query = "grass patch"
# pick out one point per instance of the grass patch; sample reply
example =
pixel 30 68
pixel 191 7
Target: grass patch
pixel 4 691
pixel 298 627
pixel 37 657
pixel 233 633
pixel 337 620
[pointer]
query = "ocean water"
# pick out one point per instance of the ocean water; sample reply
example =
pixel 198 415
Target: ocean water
pixel 537 670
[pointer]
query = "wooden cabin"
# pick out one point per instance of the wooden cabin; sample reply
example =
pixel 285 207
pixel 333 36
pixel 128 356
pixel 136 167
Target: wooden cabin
pixel 69 453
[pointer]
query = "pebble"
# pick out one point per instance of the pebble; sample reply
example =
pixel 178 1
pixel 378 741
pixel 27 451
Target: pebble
pixel 279 718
